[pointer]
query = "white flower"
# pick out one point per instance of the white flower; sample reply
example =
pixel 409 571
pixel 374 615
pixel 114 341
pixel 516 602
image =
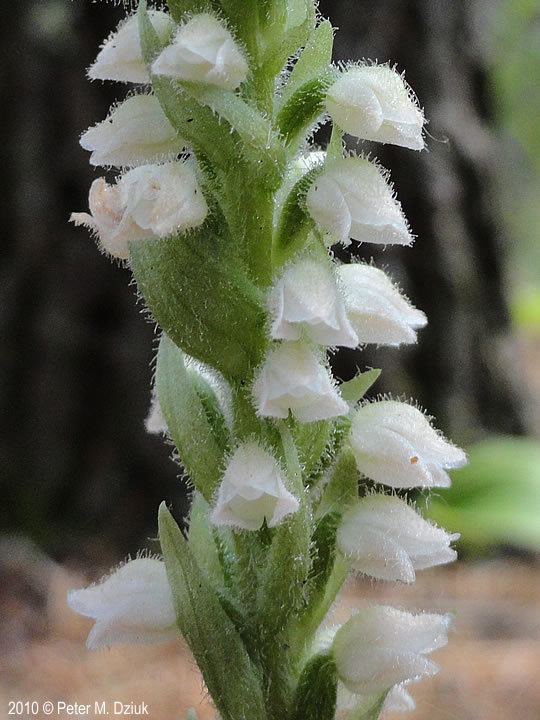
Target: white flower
pixel 164 199
pixel 203 51
pixel 381 647
pixel 132 606
pixel 108 219
pixel 373 102
pixel 120 57
pixel 352 199
pixel 135 132
pixel 382 536
pixel 149 201
pixel 394 444
pixel 378 312
pixel 306 299
pixel 253 490
pixel 292 378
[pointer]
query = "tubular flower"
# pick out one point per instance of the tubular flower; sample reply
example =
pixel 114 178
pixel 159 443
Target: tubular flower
pixel 373 102
pixel 293 379
pixel 378 312
pixel 135 133
pixel 382 536
pixel 382 647
pixel 352 199
pixel 306 299
pixel 120 57
pixel 394 444
pixel 132 606
pixel 252 491
pixel 203 51
pixel 149 201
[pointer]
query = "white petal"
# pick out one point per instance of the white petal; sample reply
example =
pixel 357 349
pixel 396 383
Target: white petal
pixel 394 444
pixel 120 58
pixel 109 220
pixel 381 647
pixel 377 555
pixel 374 103
pixel 375 670
pixel 133 604
pixel 105 635
pixel 252 491
pixel 136 132
pixel 384 537
pixel 377 310
pixel 306 300
pixel 399 700
pixel 352 199
pixel 388 458
pixel 164 199
pixel 293 379
pixel 204 51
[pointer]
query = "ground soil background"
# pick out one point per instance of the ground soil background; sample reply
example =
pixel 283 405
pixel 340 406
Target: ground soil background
pixel 489 670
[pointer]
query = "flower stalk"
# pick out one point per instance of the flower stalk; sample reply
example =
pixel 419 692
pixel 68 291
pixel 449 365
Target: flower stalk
pixel 225 212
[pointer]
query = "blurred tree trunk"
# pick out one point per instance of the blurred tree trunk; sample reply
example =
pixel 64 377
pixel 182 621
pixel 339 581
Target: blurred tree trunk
pixel 461 371
pixel 79 472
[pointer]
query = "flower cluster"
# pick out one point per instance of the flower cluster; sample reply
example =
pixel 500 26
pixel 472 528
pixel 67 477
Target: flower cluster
pixel 226 216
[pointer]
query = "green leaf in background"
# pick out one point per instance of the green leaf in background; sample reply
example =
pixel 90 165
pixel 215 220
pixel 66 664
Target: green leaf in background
pixel 495 499
pixel 228 672
pixel 525 308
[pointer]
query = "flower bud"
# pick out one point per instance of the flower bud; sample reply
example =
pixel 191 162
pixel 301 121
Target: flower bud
pixel 306 300
pixel 377 311
pixel 203 51
pixel 381 647
pixel 352 199
pixel 136 132
pixel 132 606
pixel 373 102
pixel 149 201
pixel 394 444
pixel 252 491
pixel 292 378
pixel 382 536
pixel 120 57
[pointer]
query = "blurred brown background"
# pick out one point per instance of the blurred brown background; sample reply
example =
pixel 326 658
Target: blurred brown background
pixel 81 479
